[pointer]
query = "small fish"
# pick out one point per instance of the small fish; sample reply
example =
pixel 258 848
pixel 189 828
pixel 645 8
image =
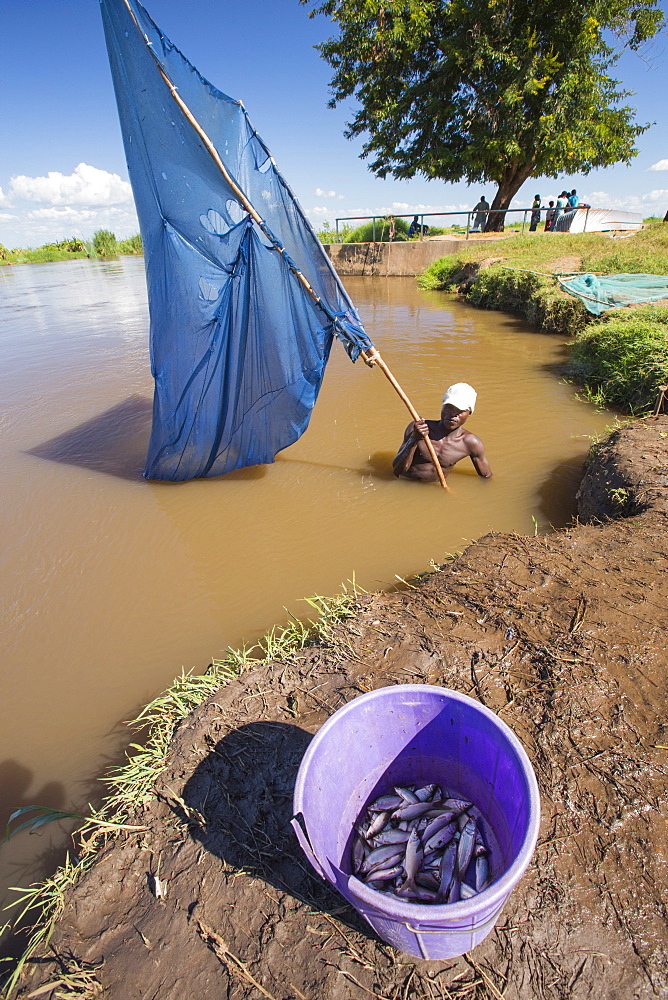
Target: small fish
pixel 378 823
pixel 465 848
pixel 424 895
pixel 390 836
pixel 454 891
pixel 385 802
pixel 439 839
pixel 385 874
pixel 459 805
pixel 411 810
pixel 381 856
pixel 481 872
pixel 412 863
pixel 479 844
pixel 427 881
pixel 466 891
pixel 406 794
pixel 448 862
pixel 438 822
pixel 425 794
pixel 414 855
pixel 359 854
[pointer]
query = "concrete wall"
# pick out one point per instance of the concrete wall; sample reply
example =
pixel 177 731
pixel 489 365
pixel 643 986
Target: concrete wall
pixel 389 258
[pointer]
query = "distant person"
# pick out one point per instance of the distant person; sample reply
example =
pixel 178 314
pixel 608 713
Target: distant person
pixel 549 217
pixel 451 442
pixel 535 214
pixel 481 210
pixel 415 229
pixel 573 199
pixel 562 205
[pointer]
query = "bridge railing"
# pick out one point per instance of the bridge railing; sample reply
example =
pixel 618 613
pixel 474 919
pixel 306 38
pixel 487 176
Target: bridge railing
pixel 469 214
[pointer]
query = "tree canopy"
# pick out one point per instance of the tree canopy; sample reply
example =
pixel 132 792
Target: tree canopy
pixel 487 90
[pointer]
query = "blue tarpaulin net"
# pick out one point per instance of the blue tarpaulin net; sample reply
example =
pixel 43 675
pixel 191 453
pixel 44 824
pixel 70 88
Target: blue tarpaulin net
pixel 238 344
pixel 609 291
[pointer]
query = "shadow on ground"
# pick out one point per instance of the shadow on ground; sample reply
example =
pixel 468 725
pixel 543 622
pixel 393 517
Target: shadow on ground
pixel 238 805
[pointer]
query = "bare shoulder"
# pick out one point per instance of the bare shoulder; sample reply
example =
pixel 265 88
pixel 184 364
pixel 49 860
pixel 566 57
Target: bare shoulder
pixel 474 445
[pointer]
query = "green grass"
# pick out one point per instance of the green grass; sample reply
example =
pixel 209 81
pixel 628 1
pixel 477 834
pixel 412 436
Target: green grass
pixel 620 359
pixel 104 244
pixel 365 232
pixel 623 358
pixel 131 246
pixel 131 786
pixel 644 252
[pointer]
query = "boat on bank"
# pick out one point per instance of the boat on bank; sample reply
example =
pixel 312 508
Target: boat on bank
pixel 597 220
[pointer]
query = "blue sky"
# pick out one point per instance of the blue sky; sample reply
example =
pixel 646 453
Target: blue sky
pixel 62 166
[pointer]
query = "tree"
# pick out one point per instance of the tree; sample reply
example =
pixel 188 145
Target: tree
pixel 487 90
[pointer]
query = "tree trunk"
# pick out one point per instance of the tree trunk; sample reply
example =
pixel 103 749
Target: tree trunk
pixel 513 178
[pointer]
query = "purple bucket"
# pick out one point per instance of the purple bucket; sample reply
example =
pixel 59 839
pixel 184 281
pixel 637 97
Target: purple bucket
pixel 417 734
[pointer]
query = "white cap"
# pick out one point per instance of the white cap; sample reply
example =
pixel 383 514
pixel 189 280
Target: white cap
pixel 461 395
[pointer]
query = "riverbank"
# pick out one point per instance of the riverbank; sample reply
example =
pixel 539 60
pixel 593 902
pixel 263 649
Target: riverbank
pixel 621 359
pixel 563 636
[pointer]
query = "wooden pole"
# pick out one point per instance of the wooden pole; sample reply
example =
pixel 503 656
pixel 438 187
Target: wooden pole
pixel 371 358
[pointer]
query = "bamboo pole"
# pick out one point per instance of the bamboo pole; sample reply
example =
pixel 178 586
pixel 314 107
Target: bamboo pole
pixel 373 357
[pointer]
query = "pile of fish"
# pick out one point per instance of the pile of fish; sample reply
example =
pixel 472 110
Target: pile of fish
pixel 421 845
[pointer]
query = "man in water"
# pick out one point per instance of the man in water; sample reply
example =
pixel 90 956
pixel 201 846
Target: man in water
pixel 451 442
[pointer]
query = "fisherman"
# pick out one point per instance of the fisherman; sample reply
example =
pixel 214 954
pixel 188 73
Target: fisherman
pixel 451 442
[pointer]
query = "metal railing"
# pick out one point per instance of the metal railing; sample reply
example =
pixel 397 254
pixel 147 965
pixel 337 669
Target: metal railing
pixel 470 213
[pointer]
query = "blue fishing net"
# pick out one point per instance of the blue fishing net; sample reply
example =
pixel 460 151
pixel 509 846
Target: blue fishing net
pixel 608 291
pixel 238 345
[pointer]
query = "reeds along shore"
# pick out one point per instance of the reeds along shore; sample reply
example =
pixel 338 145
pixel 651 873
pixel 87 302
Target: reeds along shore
pixel 621 359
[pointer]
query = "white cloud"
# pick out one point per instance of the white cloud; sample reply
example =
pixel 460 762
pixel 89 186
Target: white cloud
pixel 86 186
pixel 320 211
pixel 660 165
pixel 319 193
pixel 653 202
pixel 341 197
pixel 5 216
pixel 4 200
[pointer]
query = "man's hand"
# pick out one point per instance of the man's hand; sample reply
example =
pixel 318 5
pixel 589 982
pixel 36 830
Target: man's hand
pixel 420 429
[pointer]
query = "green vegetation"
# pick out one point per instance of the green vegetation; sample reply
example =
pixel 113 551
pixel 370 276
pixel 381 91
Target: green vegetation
pixel 132 785
pixel 486 91
pixel 71 249
pixel 132 246
pixel 104 244
pixel 365 232
pixel 328 234
pixel 622 358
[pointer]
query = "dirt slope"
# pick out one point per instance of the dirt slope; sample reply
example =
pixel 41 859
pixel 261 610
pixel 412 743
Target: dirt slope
pixel 564 636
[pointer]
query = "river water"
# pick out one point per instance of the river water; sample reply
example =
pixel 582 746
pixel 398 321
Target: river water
pixel 111 584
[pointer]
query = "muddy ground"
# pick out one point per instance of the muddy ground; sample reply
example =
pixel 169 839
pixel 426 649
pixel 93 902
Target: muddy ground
pixel 564 636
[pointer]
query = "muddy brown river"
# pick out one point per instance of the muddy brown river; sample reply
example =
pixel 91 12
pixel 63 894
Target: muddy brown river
pixel 111 584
